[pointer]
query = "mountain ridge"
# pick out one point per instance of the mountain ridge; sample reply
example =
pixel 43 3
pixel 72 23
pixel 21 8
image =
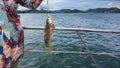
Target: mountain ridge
pixel 97 10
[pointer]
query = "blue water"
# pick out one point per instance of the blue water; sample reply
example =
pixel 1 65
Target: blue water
pixel 69 41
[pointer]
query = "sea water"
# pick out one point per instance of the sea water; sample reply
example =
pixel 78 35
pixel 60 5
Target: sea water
pixel 69 41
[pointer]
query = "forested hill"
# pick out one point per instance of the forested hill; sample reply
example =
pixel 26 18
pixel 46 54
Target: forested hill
pixel 97 10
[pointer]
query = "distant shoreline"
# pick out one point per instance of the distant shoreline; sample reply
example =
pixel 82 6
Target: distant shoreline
pixel 97 10
pixel 68 13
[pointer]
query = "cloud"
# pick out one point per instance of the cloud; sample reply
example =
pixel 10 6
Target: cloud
pixel 53 1
pixel 110 4
pixel 53 4
pixel 114 4
pixel 22 8
pixel 56 1
pixel 78 4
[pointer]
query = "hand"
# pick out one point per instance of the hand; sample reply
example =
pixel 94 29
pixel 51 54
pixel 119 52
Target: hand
pixel 35 3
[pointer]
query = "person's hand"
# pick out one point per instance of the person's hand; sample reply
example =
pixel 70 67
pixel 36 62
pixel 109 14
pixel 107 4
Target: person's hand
pixel 36 3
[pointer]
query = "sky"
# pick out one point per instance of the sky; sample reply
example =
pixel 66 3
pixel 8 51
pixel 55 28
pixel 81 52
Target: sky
pixel 77 4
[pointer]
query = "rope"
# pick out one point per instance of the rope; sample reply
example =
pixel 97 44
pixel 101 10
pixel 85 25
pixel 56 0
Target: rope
pixel 85 45
pixel 48 7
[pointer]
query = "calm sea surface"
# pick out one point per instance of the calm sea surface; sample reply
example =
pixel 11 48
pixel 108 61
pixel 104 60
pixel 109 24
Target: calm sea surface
pixel 69 41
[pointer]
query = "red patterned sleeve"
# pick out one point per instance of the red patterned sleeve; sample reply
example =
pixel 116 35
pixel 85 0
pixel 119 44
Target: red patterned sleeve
pixel 29 3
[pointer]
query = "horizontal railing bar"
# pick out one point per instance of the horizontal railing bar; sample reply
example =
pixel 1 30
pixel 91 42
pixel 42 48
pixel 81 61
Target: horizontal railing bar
pixel 73 52
pixel 72 29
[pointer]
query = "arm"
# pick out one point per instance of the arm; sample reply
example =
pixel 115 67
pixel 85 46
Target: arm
pixel 33 4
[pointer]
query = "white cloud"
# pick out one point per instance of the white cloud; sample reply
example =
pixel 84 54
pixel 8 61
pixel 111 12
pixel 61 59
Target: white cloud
pixel 53 1
pixel 56 1
pixel 53 4
pixel 110 4
pixel 22 8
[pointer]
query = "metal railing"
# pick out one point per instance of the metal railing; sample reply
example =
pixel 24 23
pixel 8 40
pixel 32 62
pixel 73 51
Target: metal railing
pixel 77 30
pixel 72 29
